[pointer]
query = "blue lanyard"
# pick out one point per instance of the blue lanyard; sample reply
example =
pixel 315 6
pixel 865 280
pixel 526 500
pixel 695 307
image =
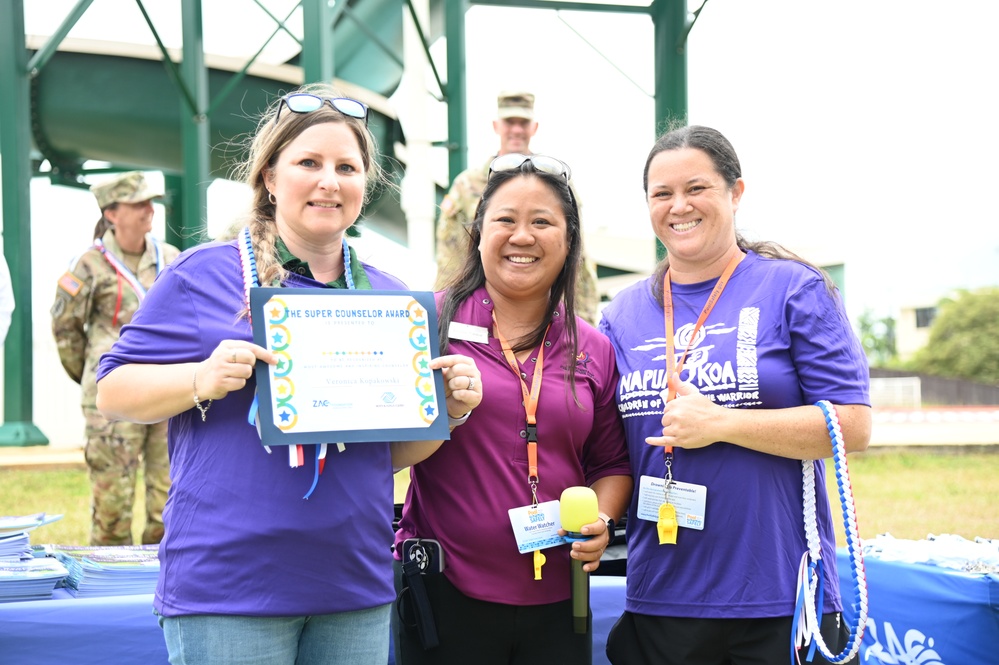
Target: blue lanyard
pixel 251 279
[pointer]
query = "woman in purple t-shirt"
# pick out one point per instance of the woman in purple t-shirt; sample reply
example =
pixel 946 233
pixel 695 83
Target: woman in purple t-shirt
pixel 251 572
pixel 723 354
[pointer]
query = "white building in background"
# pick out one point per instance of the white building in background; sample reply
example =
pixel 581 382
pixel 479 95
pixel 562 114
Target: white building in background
pixel 912 329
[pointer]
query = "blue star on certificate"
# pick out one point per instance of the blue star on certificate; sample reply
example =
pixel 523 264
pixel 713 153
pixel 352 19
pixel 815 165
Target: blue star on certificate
pixel 285 416
pixel 430 409
pixel 421 338
pixel 277 339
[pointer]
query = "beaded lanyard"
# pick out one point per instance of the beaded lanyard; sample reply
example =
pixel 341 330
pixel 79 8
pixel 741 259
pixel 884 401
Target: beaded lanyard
pixel 806 623
pixel 251 279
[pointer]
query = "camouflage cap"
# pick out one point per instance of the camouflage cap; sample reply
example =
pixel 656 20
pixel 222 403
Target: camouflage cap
pixel 128 187
pixel 515 105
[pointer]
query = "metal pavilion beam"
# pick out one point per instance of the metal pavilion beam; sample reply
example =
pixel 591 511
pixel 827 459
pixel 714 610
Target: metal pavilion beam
pixel 15 146
pixel 187 202
pixel 671 21
pixel 194 130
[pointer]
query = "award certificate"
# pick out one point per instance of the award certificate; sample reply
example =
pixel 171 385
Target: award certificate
pixel 352 366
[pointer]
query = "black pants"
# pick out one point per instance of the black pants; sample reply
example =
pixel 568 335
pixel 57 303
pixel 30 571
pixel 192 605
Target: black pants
pixel 484 633
pixel 639 639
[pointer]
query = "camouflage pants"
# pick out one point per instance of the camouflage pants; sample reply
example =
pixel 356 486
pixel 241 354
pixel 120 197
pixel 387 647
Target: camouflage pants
pixel 113 453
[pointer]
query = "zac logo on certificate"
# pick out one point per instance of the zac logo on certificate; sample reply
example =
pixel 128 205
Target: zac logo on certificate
pixel 353 366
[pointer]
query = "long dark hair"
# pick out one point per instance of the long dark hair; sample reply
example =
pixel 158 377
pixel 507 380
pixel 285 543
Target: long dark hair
pixel 103 224
pixel 726 162
pixel 471 275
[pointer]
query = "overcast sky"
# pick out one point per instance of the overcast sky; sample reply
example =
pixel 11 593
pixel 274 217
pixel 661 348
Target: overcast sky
pixel 866 130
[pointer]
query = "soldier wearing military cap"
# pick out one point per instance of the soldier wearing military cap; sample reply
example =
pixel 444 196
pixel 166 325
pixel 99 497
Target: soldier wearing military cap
pixel 97 295
pixel 515 125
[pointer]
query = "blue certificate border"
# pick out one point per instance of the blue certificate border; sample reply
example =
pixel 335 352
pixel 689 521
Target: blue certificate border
pixel 271 435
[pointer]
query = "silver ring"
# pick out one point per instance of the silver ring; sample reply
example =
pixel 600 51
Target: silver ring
pixel 471 383
pixel 234 356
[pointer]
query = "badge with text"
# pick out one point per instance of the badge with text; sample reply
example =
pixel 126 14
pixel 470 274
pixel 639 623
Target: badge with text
pixel 468 332
pixel 688 500
pixel 536 527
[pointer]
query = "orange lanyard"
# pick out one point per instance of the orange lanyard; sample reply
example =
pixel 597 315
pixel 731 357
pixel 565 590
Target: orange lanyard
pixel 671 364
pixel 530 403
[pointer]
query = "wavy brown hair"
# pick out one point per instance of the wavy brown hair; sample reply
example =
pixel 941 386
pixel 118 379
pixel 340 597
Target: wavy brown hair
pixel 273 135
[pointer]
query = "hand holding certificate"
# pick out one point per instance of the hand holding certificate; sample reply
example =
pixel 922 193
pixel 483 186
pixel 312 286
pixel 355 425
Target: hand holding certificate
pixel 351 366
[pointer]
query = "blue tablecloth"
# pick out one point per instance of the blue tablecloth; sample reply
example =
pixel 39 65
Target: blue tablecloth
pixel 919 614
pixel 925 615
pixel 82 631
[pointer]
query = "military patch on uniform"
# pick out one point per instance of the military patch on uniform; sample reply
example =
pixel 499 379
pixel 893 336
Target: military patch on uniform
pixel 447 206
pixel 70 283
pixel 58 307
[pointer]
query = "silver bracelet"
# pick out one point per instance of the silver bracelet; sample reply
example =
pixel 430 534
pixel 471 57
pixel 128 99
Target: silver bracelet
pixel 197 402
pixel 454 422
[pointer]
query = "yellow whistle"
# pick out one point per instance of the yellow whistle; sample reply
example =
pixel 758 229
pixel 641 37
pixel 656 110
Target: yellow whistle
pixel 539 560
pixel 667 525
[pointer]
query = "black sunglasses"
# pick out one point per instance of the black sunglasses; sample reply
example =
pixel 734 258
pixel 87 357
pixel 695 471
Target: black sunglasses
pixel 515 160
pixel 301 102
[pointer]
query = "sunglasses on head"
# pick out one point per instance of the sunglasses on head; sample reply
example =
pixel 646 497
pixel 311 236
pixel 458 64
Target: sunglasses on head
pixel 302 102
pixel 514 160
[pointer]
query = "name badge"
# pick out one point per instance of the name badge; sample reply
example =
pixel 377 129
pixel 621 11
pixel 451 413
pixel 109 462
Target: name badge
pixel 688 499
pixel 536 527
pixel 468 332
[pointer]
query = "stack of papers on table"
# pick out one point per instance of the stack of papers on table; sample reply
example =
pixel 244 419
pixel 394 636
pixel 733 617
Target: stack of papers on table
pixel 31 579
pixel 14 546
pixel 109 571
pixel 11 523
pixel 14 540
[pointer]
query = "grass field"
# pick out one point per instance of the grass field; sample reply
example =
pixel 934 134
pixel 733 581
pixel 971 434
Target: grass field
pixel 908 494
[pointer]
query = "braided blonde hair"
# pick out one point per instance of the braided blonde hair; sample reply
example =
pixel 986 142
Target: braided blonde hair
pixel 263 148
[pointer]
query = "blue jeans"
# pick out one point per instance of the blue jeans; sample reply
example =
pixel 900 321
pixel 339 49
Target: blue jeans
pixel 359 637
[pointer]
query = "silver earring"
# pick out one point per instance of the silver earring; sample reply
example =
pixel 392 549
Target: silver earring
pixel 270 197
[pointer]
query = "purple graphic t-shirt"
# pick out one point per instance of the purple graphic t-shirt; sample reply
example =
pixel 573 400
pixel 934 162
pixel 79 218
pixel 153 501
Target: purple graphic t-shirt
pixel 776 338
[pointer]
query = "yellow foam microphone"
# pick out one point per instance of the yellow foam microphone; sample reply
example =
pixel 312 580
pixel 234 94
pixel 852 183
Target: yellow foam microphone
pixel 578 506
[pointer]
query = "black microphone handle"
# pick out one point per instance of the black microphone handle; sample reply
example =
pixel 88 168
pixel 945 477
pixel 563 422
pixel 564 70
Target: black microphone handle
pixel 580 597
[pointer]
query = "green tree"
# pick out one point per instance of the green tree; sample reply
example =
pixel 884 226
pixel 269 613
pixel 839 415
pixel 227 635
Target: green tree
pixel 877 336
pixel 963 340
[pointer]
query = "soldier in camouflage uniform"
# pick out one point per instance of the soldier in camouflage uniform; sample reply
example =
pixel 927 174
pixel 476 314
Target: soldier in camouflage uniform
pixel 515 126
pixel 97 296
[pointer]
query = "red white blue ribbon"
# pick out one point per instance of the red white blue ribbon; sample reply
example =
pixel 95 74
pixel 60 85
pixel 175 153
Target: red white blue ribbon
pixel 251 279
pixel 124 272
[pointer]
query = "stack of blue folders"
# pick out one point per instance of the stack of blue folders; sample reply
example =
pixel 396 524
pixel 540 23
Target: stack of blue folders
pixel 108 571
pixel 10 524
pixel 14 540
pixel 30 579
pixel 14 546
pixel 22 576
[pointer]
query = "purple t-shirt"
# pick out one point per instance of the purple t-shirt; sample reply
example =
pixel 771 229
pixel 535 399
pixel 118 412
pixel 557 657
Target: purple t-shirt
pixel 776 338
pixel 461 494
pixel 240 539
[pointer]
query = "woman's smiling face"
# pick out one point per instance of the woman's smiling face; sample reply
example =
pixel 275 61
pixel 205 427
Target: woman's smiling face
pixel 691 207
pixel 318 182
pixel 524 241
